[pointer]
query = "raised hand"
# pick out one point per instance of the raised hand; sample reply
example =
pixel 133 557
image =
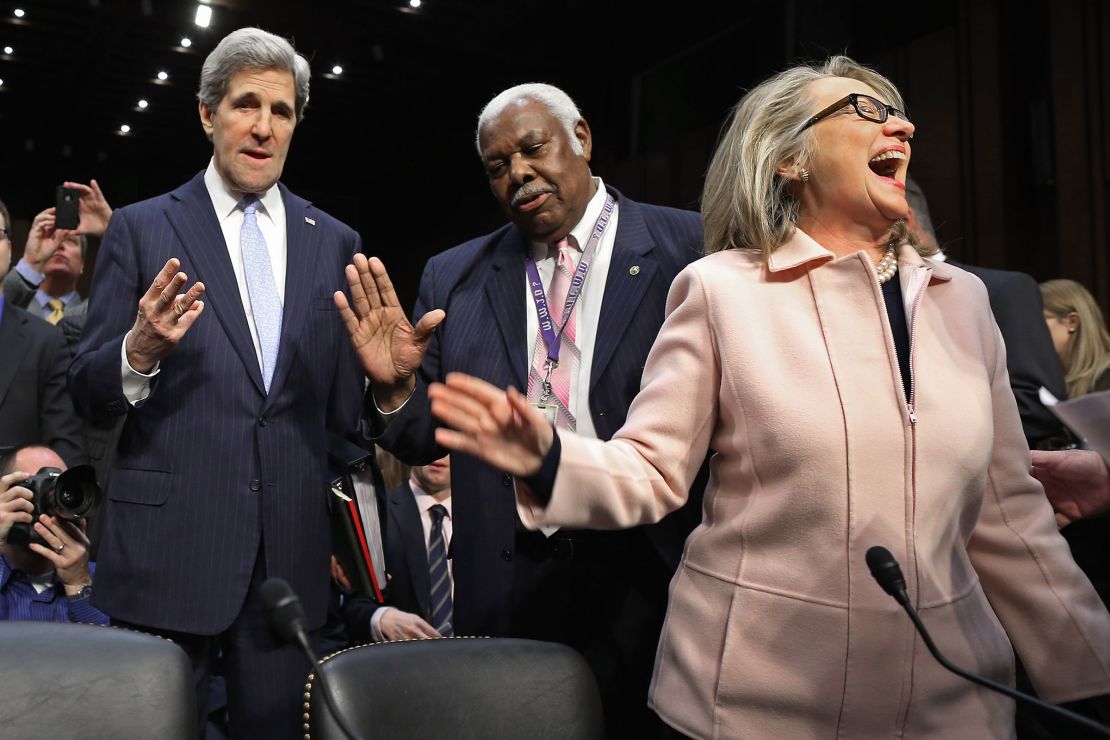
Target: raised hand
pixel 92 208
pixel 499 427
pixel 389 347
pixel 42 239
pixel 163 318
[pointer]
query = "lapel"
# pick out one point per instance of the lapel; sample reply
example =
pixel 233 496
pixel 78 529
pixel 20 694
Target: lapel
pixel 623 290
pixel 402 507
pixel 300 270
pixel 505 292
pixel 13 337
pixel 194 220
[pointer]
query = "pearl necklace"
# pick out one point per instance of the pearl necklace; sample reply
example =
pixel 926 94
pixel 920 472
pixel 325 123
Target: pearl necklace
pixel 887 267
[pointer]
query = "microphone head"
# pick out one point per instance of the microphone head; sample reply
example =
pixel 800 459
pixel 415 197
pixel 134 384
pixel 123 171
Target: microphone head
pixel 886 571
pixel 283 609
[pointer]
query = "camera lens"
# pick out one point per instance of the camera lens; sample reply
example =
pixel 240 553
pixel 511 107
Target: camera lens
pixel 71 498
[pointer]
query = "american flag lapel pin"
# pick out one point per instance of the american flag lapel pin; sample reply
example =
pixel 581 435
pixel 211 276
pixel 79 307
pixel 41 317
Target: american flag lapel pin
pixel 310 221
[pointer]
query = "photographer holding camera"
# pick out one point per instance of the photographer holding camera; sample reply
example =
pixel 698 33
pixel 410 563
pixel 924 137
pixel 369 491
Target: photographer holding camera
pixel 46 577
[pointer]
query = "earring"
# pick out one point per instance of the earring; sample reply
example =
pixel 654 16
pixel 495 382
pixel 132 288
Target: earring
pixel 804 173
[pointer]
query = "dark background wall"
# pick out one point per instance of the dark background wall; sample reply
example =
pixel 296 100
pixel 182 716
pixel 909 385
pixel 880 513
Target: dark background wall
pixel 1010 106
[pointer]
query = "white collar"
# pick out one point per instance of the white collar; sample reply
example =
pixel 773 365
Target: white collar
pixel 226 202
pixel 581 231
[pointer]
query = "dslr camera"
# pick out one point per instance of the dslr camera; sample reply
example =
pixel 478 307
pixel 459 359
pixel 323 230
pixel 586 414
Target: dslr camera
pixel 70 495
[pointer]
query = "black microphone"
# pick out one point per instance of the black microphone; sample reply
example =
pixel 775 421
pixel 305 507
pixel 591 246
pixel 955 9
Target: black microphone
pixel 286 615
pixel 886 571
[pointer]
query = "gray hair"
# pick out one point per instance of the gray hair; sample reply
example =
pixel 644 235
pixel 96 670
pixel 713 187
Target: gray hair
pixel 251 48
pixel 746 204
pixel 551 97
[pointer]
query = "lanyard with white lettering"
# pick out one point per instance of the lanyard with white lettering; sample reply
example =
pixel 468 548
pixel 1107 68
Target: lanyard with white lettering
pixel 548 331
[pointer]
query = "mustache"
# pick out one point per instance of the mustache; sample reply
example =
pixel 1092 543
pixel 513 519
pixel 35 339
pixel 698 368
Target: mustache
pixel 528 190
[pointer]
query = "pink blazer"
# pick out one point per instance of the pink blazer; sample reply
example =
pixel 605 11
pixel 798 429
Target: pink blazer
pixel 775 627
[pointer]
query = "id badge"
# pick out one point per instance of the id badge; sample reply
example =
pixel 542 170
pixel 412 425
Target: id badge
pixel 549 410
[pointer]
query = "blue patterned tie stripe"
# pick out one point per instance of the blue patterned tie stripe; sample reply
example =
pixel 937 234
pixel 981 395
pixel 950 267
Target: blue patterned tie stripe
pixel 262 289
pixel 440 577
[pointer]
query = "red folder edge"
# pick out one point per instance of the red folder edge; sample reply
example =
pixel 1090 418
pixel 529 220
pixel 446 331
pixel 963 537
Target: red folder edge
pixel 357 519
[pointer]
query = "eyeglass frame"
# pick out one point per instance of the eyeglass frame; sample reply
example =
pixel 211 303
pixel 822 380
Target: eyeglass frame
pixel 4 233
pixel 853 100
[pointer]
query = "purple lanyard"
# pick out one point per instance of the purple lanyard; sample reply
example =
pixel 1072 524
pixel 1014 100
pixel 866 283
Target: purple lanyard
pixel 539 296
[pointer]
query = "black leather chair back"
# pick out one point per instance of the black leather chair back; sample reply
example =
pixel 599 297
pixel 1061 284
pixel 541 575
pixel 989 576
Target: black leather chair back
pixel 83 681
pixel 463 688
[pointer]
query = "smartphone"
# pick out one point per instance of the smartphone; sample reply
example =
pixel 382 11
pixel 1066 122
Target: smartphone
pixel 65 201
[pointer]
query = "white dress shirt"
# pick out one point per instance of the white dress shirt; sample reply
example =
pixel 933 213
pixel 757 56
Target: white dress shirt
pixel 424 503
pixel 229 213
pixel 589 302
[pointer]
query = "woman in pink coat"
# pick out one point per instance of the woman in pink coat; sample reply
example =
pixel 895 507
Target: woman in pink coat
pixel 855 393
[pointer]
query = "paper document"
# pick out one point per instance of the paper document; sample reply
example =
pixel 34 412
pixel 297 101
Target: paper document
pixel 1088 416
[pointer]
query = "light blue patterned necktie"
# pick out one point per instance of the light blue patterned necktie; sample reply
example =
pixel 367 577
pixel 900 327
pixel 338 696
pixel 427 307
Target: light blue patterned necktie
pixel 261 287
pixel 442 609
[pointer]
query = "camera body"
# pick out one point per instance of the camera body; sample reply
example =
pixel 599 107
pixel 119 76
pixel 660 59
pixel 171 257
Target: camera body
pixel 70 495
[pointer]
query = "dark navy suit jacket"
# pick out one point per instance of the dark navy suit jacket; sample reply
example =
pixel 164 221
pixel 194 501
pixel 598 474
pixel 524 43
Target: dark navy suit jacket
pixel 34 407
pixel 210 467
pixel 409 587
pixel 481 286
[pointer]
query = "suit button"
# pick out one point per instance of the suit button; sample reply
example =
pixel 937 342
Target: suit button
pixel 506 480
pixel 263 421
pixel 256 485
pixel 506 555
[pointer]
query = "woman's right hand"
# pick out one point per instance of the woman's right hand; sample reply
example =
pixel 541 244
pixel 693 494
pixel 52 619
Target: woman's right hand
pixel 496 426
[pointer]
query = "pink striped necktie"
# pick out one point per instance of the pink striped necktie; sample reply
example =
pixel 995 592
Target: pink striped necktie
pixel 566 374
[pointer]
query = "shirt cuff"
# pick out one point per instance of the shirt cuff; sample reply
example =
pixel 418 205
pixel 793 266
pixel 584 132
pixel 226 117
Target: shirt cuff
pixel 28 273
pixel 376 623
pixel 136 385
pixel 387 414
pixel 542 482
pixel 81 611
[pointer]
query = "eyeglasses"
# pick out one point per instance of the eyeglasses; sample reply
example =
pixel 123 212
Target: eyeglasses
pixel 867 108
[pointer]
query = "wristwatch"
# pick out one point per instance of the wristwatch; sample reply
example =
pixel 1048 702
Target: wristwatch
pixel 84 593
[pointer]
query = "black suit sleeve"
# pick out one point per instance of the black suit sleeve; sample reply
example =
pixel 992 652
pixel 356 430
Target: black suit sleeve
pixel 1030 358
pixel 61 429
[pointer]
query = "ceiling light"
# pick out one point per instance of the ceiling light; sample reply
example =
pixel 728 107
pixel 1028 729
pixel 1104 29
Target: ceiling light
pixel 204 16
pixel 186 42
pixel 414 4
pixel 18 13
pixel 1 83
pixel 9 50
pixel 125 129
pixel 143 104
pixel 163 76
pixel 337 70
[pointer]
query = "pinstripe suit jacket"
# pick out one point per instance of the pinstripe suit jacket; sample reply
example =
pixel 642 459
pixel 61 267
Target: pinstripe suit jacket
pixel 210 466
pixel 481 286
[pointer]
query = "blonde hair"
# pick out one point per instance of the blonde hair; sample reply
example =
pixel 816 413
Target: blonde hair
pixel 1088 351
pixel 746 204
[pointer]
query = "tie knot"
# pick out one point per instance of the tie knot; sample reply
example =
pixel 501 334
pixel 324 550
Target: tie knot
pixel 250 204
pixel 438 512
pixel 55 303
pixel 566 244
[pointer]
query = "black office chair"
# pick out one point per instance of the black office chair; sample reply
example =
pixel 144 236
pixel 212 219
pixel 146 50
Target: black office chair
pixel 463 688
pixel 84 681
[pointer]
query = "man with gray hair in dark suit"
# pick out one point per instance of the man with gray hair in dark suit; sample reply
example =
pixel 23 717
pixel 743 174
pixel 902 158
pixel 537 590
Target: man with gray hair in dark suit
pixel 564 301
pixel 231 377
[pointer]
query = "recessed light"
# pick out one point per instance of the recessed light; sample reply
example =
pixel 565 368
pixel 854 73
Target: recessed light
pixel 9 50
pixel 414 4
pixel 163 76
pixel 204 16
pixel 337 70
pixel 143 104
pixel 1 83
pixel 186 42
pixel 18 13
pixel 125 129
